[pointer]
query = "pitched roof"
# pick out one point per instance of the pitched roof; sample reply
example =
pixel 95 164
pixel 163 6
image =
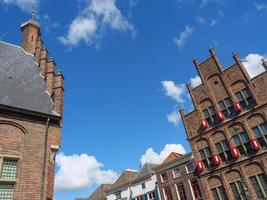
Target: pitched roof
pixel 126 177
pixel 99 193
pixel 21 84
pixel 172 156
pixel 147 169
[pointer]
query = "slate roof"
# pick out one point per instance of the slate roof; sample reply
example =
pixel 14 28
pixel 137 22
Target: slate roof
pixel 125 178
pixel 21 84
pixel 146 170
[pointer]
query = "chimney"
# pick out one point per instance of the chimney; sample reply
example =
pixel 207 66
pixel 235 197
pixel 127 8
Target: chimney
pixel 30 34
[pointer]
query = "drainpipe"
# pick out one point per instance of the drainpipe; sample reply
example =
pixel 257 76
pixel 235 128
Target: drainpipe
pixel 44 160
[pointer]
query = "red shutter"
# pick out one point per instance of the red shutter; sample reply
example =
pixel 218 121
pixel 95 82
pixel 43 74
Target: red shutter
pixel 200 166
pixel 238 107
pixel 235 153
pixel 255 144
pixel 220 116
pixel 216 159
pixel 204 124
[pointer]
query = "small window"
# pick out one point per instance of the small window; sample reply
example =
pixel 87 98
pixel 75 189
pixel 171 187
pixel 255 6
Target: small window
pixel 223 150
pixel 259 183
pixel 151 195
pixel 143 185
pixel 181 191
pixel 219 193
pixel 139 197
pixel 206 158
pixel 261 134
pixel 227 107
pixel 164 177
pixel 245 98
pixel 195 189
pixel 6 191
pixel 190 167
pixel 176 172
pixel 242 141
pixel 168 193
pixel 9 169
pixel 118 195
pixel 210 116
pixel 238 190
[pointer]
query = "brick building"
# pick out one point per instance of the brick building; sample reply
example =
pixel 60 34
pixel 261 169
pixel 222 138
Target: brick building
pixel 31 108
pixel 227 130
pixel 177 178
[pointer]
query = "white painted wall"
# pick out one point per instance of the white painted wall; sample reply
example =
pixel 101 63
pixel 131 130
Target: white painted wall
pixel 150 186
pixel 125 194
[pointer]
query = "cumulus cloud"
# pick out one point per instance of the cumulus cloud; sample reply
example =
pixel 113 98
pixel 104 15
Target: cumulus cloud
pixel 184 35
pixel 174 117
pixel 253 64
pixel 150 156
pixel 80 171
pixel 95 17
pixel 25 5
pixel 195 81
pixel 174 91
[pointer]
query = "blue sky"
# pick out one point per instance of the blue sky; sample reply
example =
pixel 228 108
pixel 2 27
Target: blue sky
pixel 125 64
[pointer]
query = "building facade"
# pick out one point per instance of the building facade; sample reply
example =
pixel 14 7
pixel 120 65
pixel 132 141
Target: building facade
pixel 227 130
pixel 177 179
pixel 31 110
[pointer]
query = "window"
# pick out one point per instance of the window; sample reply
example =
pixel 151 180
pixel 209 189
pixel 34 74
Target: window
pixel 227 107
pixel 245 98
pixel 181 191
pixel 143 185
pixel 151 195
pixel 219 193
pixel 139 197
pixel 206 158
pixel 168 193
pixel 223 150
pixel 259 183
pixel 238 189
pixel 6 191
pixel 9 169
pixel 195 189
pixel 190 167
pixel 261 134
pixel 210 115
pixel 118 195
pixel 242 142
pixel 176 172
pixel 164 177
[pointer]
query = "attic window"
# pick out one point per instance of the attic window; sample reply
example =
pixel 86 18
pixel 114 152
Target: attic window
pixel 216 82
pixel 32 38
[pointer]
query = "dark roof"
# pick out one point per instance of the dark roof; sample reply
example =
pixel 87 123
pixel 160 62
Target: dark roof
pixel 146 170
pixel 21 84
pixel 126 177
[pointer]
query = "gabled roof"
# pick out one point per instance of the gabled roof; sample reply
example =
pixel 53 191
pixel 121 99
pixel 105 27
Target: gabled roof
pixel 146 170
pixel 172 156
pixel 21 84
pixel 125 178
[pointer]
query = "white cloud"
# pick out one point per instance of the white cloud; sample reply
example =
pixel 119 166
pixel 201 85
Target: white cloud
pixel 200 20
pixel 184 35
pixel 26 5
pixel 174 117
pixel 253 64
pixel 151 156
pixel 96 16
pixel 80 171
pixel 261 7
pixel 174 91
pixel 195 81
